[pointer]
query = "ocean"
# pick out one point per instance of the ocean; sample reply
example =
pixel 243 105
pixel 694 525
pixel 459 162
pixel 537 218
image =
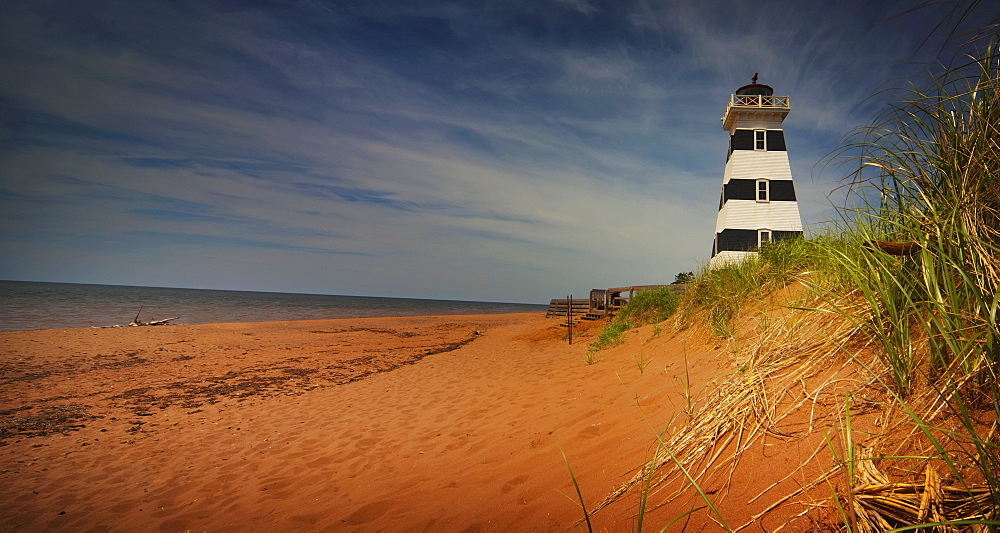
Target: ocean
pixel 36 305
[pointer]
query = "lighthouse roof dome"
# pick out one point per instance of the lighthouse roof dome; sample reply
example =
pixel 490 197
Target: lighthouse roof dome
pixel 755 89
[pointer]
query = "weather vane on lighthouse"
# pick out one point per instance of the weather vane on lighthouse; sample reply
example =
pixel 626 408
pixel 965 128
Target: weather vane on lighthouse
pixel 758 203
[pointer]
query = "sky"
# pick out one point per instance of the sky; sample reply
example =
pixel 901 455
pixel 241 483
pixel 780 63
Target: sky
pixel 502 150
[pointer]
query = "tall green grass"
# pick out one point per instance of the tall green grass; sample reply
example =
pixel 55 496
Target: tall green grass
pixel 928 174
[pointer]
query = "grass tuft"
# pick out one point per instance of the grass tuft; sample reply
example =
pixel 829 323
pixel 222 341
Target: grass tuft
pixel 718 296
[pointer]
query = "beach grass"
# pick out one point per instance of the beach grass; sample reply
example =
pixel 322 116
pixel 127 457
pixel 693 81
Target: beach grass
pixel 926 180
pixel 718 296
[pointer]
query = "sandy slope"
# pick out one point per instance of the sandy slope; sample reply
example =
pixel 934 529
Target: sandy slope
pixel 393 424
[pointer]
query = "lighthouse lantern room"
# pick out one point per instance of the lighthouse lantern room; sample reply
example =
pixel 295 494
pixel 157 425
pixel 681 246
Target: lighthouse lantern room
pixel 757 203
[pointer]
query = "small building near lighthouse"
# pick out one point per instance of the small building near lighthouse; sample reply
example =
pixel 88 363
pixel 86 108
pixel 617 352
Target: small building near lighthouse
pixel 757 204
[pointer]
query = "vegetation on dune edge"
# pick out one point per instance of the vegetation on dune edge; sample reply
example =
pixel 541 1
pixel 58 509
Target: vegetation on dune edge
pixel 648 307
pixel 907 292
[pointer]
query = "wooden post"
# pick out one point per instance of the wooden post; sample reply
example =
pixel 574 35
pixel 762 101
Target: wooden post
pixel 569 318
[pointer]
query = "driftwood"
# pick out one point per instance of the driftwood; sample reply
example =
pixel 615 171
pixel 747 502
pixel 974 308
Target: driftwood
pixel 894 248
pixel 163 321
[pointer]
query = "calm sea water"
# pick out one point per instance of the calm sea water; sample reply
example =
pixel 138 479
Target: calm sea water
pixel 31 305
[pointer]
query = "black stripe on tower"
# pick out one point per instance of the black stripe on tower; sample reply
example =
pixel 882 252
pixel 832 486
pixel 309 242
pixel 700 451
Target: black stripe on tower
pixel 745 240
pixel 746 140
pixel 746 189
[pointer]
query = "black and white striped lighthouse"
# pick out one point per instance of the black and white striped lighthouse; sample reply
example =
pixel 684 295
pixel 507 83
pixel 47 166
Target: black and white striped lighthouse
pixel 757 204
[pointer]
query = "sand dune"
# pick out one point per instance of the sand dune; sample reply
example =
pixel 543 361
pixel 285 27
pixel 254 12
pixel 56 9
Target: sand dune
pixel 391 424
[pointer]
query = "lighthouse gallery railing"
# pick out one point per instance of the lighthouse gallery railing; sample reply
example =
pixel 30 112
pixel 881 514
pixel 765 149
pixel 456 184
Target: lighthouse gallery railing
pixel 758 100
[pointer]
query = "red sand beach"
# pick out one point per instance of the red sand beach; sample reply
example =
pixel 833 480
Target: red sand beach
pixel 389 424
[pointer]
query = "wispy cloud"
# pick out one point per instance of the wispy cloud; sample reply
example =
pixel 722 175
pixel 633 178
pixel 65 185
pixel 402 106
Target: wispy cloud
pixel 510 152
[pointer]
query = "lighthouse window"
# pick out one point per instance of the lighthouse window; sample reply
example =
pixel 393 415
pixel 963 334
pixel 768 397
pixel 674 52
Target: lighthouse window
pixel 763 190
pixel 759 140
pixel 763 237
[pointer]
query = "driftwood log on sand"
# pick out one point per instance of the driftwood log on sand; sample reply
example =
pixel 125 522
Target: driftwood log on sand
pixel 894 248
pixel 164 321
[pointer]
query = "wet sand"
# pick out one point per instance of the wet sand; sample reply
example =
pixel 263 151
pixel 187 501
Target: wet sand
pixel 450 423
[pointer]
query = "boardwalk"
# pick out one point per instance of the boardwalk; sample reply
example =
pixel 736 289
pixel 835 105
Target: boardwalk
pixel 602 303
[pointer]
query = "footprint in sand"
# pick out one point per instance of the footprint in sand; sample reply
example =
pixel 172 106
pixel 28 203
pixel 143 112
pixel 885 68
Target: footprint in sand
pixel 594 430
pixel 509 486
pixel 368 513
pixel 583 417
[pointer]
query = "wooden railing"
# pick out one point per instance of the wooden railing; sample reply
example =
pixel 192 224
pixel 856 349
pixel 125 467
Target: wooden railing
pixel 759 100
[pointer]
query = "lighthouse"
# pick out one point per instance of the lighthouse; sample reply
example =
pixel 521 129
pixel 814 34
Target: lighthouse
pixel 757 204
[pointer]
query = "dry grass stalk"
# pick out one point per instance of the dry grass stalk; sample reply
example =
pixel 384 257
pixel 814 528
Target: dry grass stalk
pixel 881 505
pixel 791 350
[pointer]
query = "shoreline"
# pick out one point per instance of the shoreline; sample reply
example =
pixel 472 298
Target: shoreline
pixel 33 306
pixel 264 322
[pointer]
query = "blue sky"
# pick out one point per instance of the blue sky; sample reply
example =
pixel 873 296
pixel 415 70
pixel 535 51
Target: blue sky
pixel 499 151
